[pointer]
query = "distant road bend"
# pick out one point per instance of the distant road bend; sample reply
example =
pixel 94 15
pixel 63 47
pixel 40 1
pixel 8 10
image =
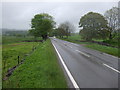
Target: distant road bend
pixel 87 68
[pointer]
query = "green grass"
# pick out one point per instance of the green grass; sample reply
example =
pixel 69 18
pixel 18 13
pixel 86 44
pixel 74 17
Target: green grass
pixel 10 53
pixel 74 37
pixel 106 49
pixel 13 39
pixel 40 70
pixel 11 49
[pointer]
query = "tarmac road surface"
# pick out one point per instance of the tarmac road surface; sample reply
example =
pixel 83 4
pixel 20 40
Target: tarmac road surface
pixel 89 68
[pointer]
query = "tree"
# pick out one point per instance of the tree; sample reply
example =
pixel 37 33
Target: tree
pixel 93 25
pixel 54 32
pixel 112 17
pixel 41 25
pixel 65 29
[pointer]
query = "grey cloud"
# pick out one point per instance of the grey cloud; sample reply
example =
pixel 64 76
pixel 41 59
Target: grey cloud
pixel 18 15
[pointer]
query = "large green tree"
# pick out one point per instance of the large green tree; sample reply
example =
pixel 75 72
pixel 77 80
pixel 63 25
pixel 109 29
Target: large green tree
pixel 93 26
pixel 41 25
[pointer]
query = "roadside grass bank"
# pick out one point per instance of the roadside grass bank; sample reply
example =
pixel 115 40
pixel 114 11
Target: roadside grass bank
pixel 10 53
pixel 40 70
pixel 102 48
pixel 11 49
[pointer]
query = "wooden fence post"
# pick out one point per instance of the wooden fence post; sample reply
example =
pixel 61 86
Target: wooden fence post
pixel 18 59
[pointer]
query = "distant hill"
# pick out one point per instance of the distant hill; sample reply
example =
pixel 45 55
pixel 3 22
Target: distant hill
pixel 13 32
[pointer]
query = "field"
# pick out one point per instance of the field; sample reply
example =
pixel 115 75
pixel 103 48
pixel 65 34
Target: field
pixel 14 39
pixel 40 68
pixel 107 49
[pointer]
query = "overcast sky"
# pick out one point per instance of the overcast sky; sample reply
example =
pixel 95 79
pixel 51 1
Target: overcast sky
pixel 18 15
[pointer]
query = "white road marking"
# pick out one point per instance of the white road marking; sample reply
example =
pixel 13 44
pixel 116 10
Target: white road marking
pixel 111 67
pixel 66 69
pixel 82 53
pixel 109 55
pixel 64 43
pixel 75 44
pixel 71 43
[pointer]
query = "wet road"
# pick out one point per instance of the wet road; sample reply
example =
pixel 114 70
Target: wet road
pixel 90 68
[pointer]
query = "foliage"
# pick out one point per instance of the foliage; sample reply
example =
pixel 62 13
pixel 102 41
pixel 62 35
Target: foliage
pixel 112 16
pixel 54 32
pixel 41 25
pixel 94 25
pixel 65 29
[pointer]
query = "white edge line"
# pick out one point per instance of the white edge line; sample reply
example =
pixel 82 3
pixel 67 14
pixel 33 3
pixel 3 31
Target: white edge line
pixel 98 51
pixel 75 44
pixel 68 72
pixel 110 55
pixel 82 53
pixel 111 67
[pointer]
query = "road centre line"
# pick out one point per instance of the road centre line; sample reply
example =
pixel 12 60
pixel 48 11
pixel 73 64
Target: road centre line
pixel 75 44
pixel 82 53
pixel 66 45
pixel 110 55
pixel 72 43
pixel 66 69
pixel 102 64
pixel 111 68
pixel 102 53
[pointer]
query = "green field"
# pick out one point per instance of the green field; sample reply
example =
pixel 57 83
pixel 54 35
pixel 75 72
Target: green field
pixel 102 48
pixel 39 70
pixel 14 39
pixel 10 53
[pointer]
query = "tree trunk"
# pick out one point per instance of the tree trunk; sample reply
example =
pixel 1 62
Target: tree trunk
pixel 110 36
pixel 88 39
pixel 44 37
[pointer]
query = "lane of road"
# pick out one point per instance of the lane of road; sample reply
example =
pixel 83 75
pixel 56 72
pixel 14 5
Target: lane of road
pixel 90 68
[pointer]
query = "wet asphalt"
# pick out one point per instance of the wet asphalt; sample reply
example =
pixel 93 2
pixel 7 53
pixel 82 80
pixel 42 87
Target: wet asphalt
pixel 87 66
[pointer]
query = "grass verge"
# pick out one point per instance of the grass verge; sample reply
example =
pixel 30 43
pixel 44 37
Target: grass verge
pixel 102 48
pixel 40 70
pixel 106 49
